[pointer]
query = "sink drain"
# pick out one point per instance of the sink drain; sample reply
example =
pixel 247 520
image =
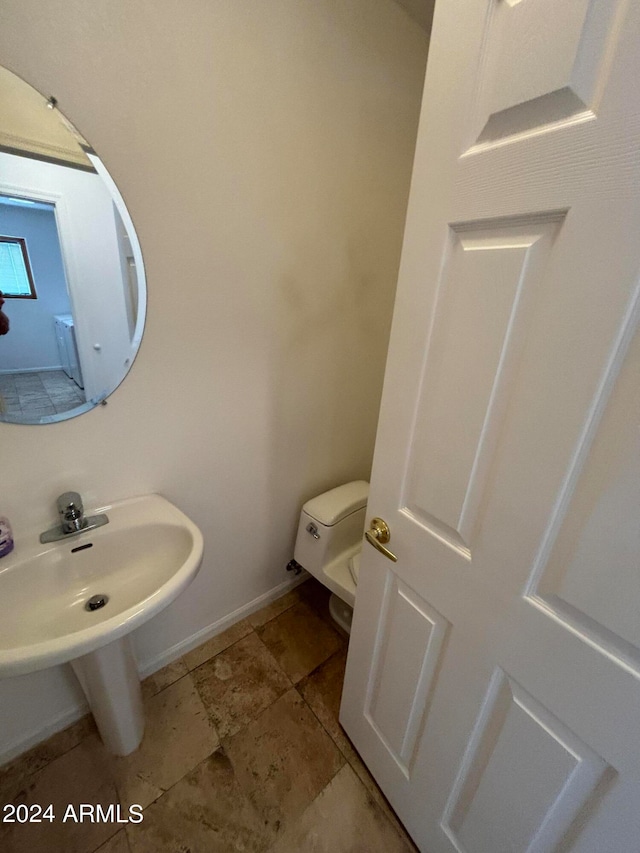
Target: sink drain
pixel 96 602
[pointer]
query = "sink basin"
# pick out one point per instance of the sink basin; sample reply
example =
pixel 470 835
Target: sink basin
pixel 142 560
pixel 130 569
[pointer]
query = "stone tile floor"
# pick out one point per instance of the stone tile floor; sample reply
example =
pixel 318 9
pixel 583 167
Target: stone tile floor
pixel 48 392
pixel 243 751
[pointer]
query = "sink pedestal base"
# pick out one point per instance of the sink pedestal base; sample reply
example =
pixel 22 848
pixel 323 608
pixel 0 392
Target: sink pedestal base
pixel 109 679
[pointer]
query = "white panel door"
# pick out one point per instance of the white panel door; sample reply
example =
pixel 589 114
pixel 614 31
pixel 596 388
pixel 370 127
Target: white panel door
pixel 493 680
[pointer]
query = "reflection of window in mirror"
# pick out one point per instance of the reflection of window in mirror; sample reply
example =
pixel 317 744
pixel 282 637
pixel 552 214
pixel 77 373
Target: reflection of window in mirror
pixel 16 279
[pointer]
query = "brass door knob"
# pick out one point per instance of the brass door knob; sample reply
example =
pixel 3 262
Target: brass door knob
pixel 378 535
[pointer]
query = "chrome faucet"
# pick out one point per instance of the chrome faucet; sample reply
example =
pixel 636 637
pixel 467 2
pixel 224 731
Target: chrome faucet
pixel 71 511
pixel 73 519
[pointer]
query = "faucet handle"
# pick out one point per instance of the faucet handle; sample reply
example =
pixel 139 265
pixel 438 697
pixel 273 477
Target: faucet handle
pixel 70 505
pixel 72 512
pixel 72 519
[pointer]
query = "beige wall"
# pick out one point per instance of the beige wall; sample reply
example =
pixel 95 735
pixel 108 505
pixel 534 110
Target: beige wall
pixel 264 151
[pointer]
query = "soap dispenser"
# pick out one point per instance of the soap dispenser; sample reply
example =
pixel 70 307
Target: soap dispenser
pixel 6 537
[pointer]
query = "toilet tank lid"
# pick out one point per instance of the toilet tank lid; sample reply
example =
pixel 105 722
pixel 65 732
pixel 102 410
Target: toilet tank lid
pixel 331 507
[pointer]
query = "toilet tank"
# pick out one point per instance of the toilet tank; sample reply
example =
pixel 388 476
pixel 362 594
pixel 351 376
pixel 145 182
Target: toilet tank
pixel 330 524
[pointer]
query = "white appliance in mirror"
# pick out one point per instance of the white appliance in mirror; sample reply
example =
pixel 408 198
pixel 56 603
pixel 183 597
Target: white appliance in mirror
pixel 71 269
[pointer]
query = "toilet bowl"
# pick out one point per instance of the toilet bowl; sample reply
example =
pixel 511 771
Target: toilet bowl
pixel 329 542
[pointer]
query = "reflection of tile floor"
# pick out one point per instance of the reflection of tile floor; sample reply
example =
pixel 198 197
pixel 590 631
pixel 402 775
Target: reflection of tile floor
pixel 242 751
pixel 48 392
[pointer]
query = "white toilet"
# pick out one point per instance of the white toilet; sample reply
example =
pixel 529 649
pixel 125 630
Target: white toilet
pixel 329 543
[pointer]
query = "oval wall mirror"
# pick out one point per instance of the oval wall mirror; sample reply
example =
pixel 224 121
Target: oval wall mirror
pixel 71 271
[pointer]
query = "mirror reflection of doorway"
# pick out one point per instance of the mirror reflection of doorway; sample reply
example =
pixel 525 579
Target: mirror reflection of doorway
pixel 46 162
pixel 40 373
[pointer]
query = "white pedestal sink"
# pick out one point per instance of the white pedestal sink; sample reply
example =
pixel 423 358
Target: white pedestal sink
pixel 139 563
pixel 109 679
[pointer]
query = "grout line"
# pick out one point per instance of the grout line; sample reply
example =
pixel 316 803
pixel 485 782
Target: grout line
pixel 212 657
pixel 388 813
pixel 273 658
pixel 324 728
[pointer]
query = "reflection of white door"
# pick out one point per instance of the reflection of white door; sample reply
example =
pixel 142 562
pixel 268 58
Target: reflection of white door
pixel 493 682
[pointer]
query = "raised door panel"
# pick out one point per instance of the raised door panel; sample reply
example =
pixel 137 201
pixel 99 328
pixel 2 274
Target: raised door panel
pixel 409 645
pixel 524 780
pixel 541 66
pixel 491 272
pixel 587 568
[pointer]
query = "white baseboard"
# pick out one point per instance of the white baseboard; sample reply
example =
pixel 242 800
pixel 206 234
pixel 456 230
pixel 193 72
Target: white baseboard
pixel 149 667
pixel 30 369
pixel 73 714
pixel 36 736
